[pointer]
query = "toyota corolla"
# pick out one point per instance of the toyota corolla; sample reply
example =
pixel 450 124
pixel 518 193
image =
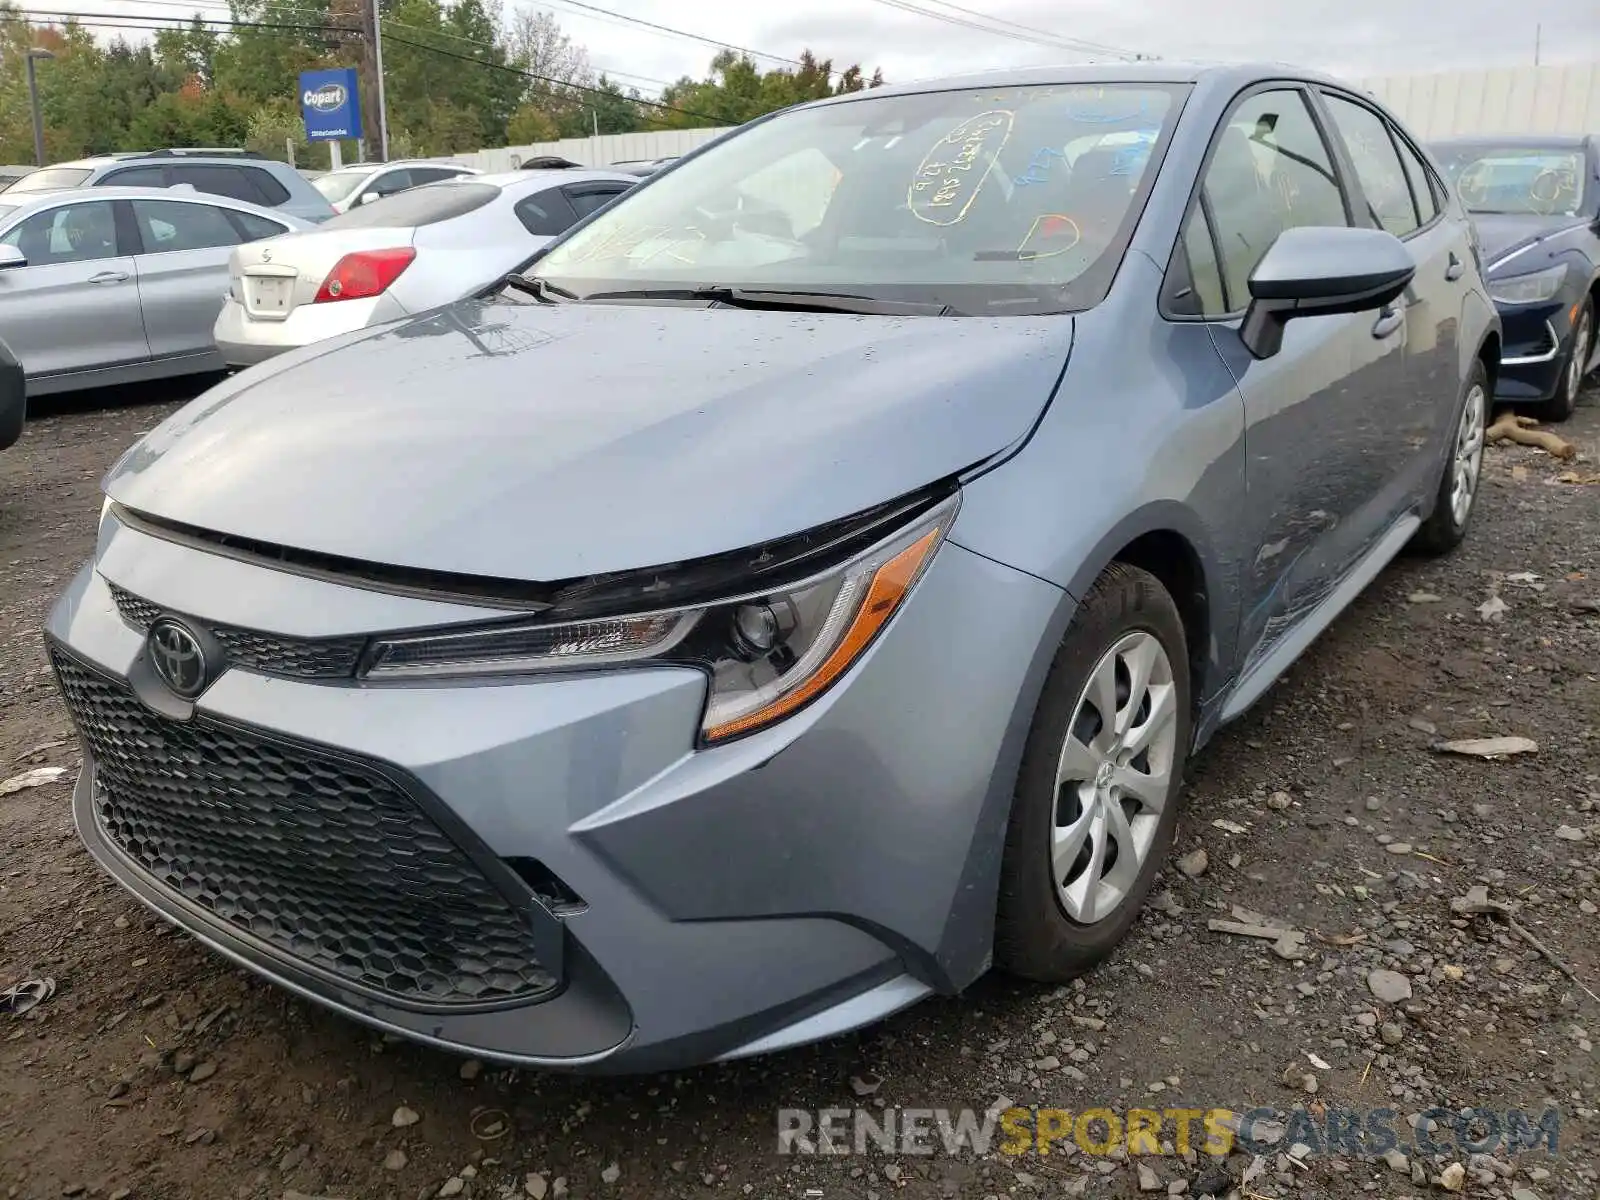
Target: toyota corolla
pixel 798 589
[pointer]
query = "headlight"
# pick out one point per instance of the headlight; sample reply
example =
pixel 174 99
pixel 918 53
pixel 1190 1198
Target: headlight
pixel 1528 289
pixel 767 655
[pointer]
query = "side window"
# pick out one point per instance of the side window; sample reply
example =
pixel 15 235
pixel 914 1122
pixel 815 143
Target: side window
pixel 589 199
pixel 69 234
pixel 270 191
pixel 1377 165
pixel 135 177
pixel 1195 276
pixel 390 182
pixel 546 213
pixel 171 225
pixel 420 175
pixel 217 180
pixel 253 228
pixel 1421 181
pixel 1270 171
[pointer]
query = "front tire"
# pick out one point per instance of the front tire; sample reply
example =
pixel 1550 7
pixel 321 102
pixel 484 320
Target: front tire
pixel 1562 405
pixel 1463 471
pixel 1095 807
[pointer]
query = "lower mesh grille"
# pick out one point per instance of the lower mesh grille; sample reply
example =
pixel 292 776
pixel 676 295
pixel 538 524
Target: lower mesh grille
pixel 325 860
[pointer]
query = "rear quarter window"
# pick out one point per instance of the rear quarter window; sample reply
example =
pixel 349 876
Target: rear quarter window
pixel 418 206
pixel 273 193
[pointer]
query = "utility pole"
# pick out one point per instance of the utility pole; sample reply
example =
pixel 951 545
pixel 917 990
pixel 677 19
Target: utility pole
pixel 374 110
pixel 1538 36
pixel 383 108
pixel 31 56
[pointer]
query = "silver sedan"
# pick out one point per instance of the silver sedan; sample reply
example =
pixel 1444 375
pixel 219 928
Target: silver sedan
pixel 113 284
pixel 398 255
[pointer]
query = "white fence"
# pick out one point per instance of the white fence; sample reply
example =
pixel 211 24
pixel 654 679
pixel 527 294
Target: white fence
pixel 595 151
pixel 1555 99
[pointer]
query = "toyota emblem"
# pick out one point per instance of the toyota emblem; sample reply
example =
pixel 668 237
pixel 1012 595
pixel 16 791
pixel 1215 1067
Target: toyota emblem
pixel 178 658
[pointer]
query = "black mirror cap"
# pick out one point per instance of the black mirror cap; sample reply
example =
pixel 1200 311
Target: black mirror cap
pixel 1314 271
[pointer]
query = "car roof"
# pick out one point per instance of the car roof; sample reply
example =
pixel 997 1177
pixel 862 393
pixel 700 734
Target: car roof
pixel 56 196
pixel 1223 74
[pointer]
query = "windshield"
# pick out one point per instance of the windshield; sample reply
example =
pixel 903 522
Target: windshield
pixel 50 178
pixel 336 185
pixel 1545 180
pixel 1008 200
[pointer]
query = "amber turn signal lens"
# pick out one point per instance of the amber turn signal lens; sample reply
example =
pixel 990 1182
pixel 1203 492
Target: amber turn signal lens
pixel 888 589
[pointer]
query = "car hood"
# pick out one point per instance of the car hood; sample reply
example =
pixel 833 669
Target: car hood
pixel 547 442
pixel 1503 234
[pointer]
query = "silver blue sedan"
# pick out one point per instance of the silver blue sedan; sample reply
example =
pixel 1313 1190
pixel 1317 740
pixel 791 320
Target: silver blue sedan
pixel 802 587
pixel 110 285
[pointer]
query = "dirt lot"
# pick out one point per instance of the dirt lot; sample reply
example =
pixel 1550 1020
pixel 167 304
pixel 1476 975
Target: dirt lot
pixel 158 1071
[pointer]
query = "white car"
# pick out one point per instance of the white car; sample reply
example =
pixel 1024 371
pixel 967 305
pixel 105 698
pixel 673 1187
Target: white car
pixel 397 256
pixel 364 183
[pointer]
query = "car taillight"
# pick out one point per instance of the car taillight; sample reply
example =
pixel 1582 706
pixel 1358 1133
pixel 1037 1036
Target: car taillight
pixel 364 274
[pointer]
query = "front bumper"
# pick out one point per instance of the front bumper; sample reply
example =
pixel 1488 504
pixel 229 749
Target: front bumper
pixel 789 886
pixel 1536 337
pixel 244 341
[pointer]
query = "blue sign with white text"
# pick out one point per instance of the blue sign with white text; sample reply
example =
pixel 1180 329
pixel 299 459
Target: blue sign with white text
pixel 330 104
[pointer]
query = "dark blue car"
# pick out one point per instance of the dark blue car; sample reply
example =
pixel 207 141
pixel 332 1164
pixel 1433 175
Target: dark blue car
pixel 1536 204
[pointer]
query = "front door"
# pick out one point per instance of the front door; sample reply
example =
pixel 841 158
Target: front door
pixel 75 305
pixel 1317 412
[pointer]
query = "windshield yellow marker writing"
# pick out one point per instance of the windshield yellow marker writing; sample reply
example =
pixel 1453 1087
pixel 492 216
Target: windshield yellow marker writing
pixel 1049 225
pixel 945 184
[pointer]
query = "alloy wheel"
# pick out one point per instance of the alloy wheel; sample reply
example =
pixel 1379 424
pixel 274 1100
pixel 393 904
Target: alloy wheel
pixel 1468 456
pixel 1580 355
pixel 1114 777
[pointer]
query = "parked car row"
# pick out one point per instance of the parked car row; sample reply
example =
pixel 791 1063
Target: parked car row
pixel 107 284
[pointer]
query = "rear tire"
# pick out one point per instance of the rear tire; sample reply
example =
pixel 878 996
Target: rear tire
pixel 1561 406
pixel 1443 531
pixel 1096 800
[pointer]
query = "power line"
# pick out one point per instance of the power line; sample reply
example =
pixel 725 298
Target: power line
pixel 1020 27
pixel 178 24
pixel 670 31
pixel 1053 41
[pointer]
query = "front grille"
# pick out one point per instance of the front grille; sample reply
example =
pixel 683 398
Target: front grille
pixel 302 658
pixel 325 860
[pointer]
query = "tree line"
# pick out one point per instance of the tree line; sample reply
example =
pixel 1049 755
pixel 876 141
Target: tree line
pixel 457 77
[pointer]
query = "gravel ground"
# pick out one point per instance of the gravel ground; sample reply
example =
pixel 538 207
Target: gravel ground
pixel 158 1071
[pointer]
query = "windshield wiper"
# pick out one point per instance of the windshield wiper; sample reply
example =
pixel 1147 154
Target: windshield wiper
pixel 539 289
pixel 787 300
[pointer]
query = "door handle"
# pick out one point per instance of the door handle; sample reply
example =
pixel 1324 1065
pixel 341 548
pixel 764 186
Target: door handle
pixel 109 277
pixel 1456 268
pixel 1390 318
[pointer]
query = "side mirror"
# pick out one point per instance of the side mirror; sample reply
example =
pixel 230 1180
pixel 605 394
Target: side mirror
pixel 368 197
pixel 1316 271
pixel 10 256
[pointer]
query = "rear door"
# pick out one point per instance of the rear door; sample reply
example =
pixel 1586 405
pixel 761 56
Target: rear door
pixel 1400 197
pixel 75 306
pixel 183 271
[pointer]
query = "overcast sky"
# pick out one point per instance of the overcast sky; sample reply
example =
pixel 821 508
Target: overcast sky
pixel 1355 37
pixel 1351 37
